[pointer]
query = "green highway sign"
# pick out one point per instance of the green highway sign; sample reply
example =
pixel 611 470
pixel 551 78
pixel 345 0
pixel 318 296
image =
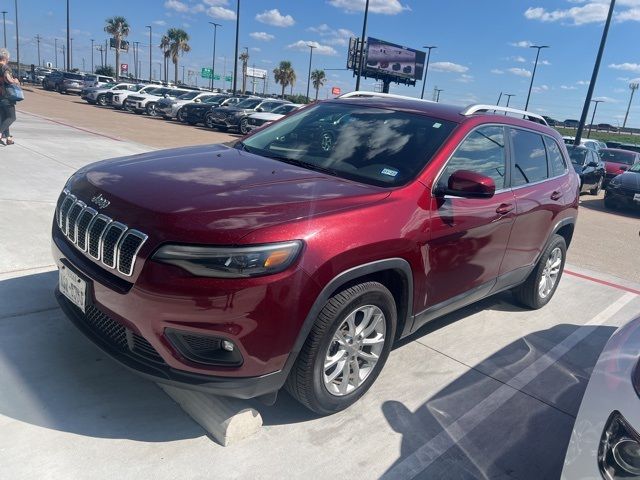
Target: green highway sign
pixel 216 77
pixel 206 73
pixel 228 79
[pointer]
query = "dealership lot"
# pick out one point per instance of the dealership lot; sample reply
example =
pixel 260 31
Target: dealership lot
pixel 489 391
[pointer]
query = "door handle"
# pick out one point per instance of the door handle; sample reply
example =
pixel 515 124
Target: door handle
pixel 504 208
pixel 556 195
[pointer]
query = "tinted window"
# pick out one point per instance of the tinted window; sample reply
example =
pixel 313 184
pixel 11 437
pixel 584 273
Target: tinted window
pixel 626 158
pixel 284 109
pixel 482 152
pixel 556 161
pixel 372 145
pixel 529 158
pixel 578 155
pixel 249 103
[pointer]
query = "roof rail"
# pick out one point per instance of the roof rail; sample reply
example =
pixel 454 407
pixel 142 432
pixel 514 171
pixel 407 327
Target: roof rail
pixel 478 108
pixel 365 94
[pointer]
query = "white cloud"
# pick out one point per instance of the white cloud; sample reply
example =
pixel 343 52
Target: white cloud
pixel 332 36
pixel 591 11
pixel 216 3
pixel 540 89
pixel 521 72
pixel 628 67
pixel 464 78
pixel 256 49
pixel 221 13
pixel 567 87
pixel 161 23
pixel 261 36
pixel 176 5
pixel 606 99
pixel 275 18
pixel 497 71
pixel 583 82
pixel 303 46
pixel 384 7
pixel 448 67
pixel 518 59
pixel 521 44
pixel 542 62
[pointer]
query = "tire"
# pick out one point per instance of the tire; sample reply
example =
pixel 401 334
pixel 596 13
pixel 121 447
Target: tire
pixel 244 126
pixel 101 100
pixel 180 116
pixel 151 109
pixel 597 188
pixel 308 380
pixel 208 122
pixel 530 294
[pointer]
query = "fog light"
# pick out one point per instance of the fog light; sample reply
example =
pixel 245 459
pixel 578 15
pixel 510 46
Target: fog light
pixel 227 345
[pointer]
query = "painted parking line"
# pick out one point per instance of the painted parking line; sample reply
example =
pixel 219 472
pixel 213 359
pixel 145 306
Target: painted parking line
pixel 602 282
pixel 418 461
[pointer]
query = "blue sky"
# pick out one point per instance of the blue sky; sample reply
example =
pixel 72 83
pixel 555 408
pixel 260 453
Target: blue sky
pixel 482 45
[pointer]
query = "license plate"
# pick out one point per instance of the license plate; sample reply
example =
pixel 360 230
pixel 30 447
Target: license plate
pixel 636 197
pixel 73 287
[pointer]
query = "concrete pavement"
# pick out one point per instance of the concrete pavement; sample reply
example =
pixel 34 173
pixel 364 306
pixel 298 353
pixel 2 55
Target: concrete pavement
pixel 489 391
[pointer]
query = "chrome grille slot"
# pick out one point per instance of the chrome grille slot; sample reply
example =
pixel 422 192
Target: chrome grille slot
pixel 112 243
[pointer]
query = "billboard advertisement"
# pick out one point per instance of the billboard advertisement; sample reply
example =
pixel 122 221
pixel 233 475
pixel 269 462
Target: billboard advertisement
pixel 256 72
pixel 385 58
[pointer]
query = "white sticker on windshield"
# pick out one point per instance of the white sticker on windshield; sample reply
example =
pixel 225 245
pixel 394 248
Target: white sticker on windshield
pixel 389 172
pixel 437 125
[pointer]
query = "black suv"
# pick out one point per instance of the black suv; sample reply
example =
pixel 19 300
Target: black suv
pixel 236 118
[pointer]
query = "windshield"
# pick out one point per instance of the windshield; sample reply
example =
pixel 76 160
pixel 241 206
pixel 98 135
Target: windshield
pixel 108 85
pixel 577 155
pixel 249 103
pixel 635 168
pixel 189 95
pixel 617 157
pixel 284 109
pixel 372 145
pixel 73 76
pixel 215 100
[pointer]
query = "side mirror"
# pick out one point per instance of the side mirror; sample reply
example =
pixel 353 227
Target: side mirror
pixel 166 95
pixel 197 100
pixel 259 109
pixel 465 183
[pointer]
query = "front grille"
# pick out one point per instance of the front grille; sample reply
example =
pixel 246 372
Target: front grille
pixel 112 243
pixel 119 336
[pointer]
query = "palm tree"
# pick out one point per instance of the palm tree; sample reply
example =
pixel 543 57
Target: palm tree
pixel 244 58
pixel 177 47
pixel 284 75
pixel 118 28
pixel 318 78
pixel 164 46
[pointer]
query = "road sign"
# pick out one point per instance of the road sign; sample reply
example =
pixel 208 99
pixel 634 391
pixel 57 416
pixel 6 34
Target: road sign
pixel 228 78
pixel 216 77
pixel 206 72
pixel 336 91
pixel 256 72
pixel 124 44
pixel 124 68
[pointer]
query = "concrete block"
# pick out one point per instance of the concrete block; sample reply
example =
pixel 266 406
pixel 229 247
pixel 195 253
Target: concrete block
pixel 228 420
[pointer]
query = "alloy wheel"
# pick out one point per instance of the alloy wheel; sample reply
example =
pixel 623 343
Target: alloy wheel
pixel 550 273
pixel 243 126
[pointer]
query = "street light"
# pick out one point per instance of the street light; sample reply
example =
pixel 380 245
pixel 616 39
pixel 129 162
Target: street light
pixel 594 115
pixel 92 69
pixel 4 27
pixel 509 95
pixel 311 47
pixel 235 56
pixel 633 87
pixel 426 69
pixel 533 75
pixel 438 90
pixel 17 40
pixel 150 43
pixel 68 40
pixel 213 57
pixel 361 54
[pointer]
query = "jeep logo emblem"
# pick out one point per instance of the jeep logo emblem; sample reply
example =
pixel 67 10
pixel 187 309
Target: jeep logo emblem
pixel 100 201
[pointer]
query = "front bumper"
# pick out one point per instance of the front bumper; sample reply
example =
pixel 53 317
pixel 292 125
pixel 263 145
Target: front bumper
pixel 621 196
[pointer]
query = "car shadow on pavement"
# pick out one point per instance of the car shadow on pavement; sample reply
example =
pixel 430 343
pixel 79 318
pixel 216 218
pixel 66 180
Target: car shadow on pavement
pixel 51 376
pixel 597 204
pixel 505 433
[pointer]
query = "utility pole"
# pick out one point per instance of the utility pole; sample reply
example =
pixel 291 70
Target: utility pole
pixel 311 47
pixel 183 74
pixel 55 48
pixel 17 40
pixel 4 27
pixel 509 95
pixel 150 43
pixel 426 70
pixel 533 75
pixel 235 56
pixel 70 53
pixel 213 56
pixel 594 75
pixel 92 69
pixel 499 98
pixel 244 71
pixel 38 38
pixel 68 40
pixel 64 57
pixel 633 87
pixel 438 94
pixel 593 116
pixel 362 39
pixel 106 51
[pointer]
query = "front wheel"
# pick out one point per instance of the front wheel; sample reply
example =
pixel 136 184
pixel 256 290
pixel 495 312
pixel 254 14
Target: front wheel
pixel 151 110
pixel 596 190
pixel 539 287
pixel 102 100
pixel 346 349
pixel 181 116
pixel 208 122
pixel 244 126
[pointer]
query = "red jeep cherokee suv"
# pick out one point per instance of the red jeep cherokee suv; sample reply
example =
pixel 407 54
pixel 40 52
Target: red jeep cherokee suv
pixel 297 257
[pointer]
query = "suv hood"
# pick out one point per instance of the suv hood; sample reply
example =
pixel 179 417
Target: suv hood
pixel 213 194
pixel 629 180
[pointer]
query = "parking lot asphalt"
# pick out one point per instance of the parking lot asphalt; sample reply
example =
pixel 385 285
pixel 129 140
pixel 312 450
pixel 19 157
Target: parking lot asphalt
pixel 490 391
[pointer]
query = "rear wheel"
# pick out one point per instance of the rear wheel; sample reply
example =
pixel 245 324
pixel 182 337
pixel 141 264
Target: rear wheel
pixel 181 116
pixel 244 126
pixel 208 122
pixel 151 109
pixel 596 190
pixel 101 100
pixel 539 287
pixel 346 349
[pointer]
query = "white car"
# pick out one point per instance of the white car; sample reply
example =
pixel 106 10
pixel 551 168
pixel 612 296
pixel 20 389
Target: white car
pixel 91 80
pixel 260 119
pixel 146 102
pixel 99 94
pixel 594 145
pixel 605 442
pixel 169 107
pixel 116 99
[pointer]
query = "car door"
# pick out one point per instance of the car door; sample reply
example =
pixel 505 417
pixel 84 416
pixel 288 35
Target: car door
pixel 541 191
pixel 590 170
pixel 469 235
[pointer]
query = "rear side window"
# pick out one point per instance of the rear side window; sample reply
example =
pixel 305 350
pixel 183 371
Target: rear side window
pixel 529 158
pixel 557 164
pixel 481 152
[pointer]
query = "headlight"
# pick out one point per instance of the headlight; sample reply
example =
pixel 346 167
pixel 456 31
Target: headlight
pixel 619 449
pixel 231 262
pixel 614 183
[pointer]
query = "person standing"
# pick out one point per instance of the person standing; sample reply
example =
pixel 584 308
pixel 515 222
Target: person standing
pixel 7 107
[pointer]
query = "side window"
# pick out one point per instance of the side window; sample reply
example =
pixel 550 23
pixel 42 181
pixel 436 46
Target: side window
pixel 529 158
pixel 557 164
pixel 482 152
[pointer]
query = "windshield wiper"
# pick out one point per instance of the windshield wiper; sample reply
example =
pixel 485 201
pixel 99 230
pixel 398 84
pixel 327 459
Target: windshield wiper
pixel 303 164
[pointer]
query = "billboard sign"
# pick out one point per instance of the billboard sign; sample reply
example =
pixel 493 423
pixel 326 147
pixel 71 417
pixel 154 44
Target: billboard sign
pixel 124 44
pixel 386 58
pixel 336 91
pixel 256 73
pixel 124 68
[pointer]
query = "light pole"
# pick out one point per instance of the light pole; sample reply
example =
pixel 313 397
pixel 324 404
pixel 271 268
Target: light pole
pixel 235 56
pixel 92 70
pixel 55 48
pixel 38 38
pixel 244 71
pixel 70 53
pixel 594 75
pixel 533 75
pixel 150 42
pixel 17 40
pixel 361 54
pixel 4 27
pixel 426 69
pixel 183 74
pixel 438 90
pixel 633 87
pixel 213 57
pixel 509 95
pixel 311 47
pixel 68 40
pixel 593 116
